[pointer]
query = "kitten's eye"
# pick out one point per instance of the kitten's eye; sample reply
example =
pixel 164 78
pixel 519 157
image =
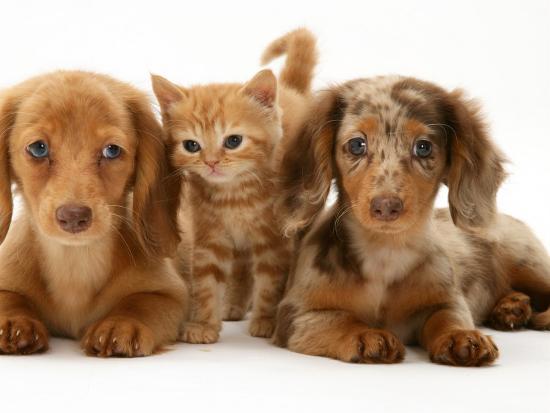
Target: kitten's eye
pixel 38 149
pixel 191 146
pixel 111 151
pixel 357 146
pixel 233 141
pixel 422 148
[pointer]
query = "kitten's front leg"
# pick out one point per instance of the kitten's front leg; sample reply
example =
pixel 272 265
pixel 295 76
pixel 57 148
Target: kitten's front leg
pixel 210 269
pixel 271 262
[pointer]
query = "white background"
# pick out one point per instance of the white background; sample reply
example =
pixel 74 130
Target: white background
pixel 499 51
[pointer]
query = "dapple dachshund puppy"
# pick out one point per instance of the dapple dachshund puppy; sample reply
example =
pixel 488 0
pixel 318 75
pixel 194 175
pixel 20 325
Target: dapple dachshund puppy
pixel 381 268
pixel 85 257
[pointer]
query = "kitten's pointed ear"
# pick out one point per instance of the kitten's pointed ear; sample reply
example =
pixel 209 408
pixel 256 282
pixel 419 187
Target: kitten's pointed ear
pixel 166 92
pixel 263 88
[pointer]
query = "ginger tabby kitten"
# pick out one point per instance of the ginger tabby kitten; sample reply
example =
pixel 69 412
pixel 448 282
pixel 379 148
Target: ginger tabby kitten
pixel 225 139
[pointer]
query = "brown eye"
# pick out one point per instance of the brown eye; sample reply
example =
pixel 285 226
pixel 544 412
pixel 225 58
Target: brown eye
pixel 357 146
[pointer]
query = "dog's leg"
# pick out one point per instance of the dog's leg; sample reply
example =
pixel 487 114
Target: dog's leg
pixel 138 326
pixel 21 331
pixel 513 311
pixel 449 337
pixel 532 277
pixel 526 265
pixel 336 334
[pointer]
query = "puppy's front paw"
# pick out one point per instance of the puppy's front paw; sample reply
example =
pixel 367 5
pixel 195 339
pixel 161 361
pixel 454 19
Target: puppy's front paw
pixel 199 333
pixel 511 312
pixel 262 327
pixel 118 337
pixel 464 348
pixel 378 346
pixel 22 335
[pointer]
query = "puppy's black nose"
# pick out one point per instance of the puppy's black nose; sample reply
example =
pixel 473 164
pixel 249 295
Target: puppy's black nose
pixel 74 218
pixel 386 208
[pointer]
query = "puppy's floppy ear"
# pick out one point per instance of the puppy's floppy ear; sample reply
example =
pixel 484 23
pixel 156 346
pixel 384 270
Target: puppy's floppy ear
pixel 8 109
pixel 156 191
pixel 307 166
pixel 475 164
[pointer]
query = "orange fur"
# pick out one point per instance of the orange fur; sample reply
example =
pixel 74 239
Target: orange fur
pixel 107 283
pixel 239 255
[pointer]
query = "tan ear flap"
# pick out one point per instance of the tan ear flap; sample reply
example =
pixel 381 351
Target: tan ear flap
pixel 476 165
pixel 156 190
pixel 7 119
pixel 263 88
pixel 307 167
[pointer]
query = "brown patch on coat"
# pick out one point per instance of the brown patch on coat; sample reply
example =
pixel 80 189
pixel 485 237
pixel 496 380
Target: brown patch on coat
pixel 285 326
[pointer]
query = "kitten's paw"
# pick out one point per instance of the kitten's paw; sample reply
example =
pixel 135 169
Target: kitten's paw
pixel 234 313
pixel 262 327
pixel 22 335
pixel 466 348
pixel 118 337
pixel 377 346
pixel 511 312
pixel 199 333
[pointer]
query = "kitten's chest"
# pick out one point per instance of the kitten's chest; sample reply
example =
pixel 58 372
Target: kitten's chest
pixel 239 214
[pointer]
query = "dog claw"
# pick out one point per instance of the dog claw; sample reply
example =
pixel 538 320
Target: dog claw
pixel 100 339
pixel 1 332
pixel 17 333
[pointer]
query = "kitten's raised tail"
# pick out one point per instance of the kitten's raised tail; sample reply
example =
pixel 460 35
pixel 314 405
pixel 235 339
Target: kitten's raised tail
pixel 301 58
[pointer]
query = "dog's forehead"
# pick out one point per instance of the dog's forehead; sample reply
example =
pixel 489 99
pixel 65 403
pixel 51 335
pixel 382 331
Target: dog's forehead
pixel 391 99
pixel 67 105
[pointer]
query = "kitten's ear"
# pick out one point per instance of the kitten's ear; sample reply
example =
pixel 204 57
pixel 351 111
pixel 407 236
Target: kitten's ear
pixel 166 92
pixel 263 88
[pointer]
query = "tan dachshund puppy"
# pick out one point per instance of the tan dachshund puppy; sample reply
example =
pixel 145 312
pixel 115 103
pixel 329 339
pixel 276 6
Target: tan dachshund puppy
pixel 85 258
pixel 380 268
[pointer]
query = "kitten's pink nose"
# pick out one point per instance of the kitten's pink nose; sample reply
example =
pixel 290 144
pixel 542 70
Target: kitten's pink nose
pixel 212 164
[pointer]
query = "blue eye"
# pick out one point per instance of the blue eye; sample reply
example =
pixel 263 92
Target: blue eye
pixel 233 141
pixel 357 146
pixel 111 151
pixel 423 148
pixel 191 146
pixel 38 149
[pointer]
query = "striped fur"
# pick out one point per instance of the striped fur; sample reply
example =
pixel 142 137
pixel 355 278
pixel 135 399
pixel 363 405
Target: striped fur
pixel 239 257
